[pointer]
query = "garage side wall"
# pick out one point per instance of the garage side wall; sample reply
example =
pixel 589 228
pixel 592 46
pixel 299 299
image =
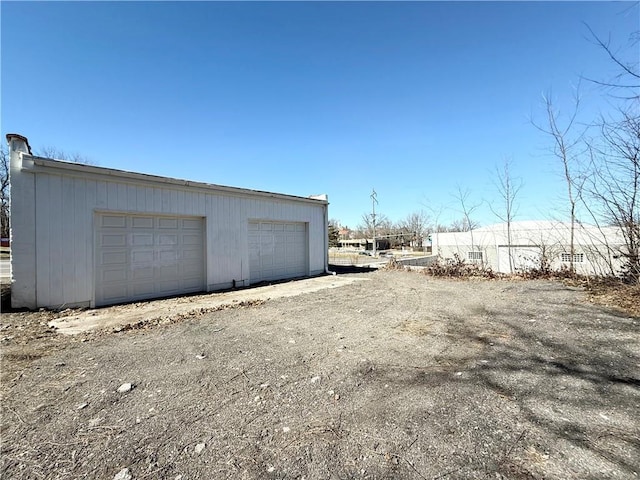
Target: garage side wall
pixel 65 205
pixel 23 227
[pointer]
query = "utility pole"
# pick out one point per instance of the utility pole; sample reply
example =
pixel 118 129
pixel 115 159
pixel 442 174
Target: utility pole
pixel 374 200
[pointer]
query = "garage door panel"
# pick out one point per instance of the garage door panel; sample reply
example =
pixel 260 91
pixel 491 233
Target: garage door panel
pixel 140 257
pixel 168 239
pixel 192 254
pixel 169 286
pixel 113 258
pixel 165 256
pixel 164 223
pixel 113 221
pixel 191 239
pixel 190 275
pixel 117 275
pixel 143 289
pixel 192 285
pixel 142 239
pixel 167 272
pixel 192 264
pixel 142 273
pixel 142 222
pixel 116 292
pixel 113 240
pixel 191 224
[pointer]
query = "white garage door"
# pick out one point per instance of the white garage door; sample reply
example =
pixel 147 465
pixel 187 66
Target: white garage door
pixel 522 258
pixel 139 257
pixel 277 251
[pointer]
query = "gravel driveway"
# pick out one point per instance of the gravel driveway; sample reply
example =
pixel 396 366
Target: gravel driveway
pixel 401 376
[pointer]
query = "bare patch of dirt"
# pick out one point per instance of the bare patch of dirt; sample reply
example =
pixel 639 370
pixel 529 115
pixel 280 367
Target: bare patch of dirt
pixel 401 376
pixel 171 310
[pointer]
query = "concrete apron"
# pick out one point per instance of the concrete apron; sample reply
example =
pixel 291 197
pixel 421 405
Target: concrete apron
pixel 129 314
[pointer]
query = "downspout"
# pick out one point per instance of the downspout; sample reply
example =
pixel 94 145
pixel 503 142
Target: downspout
pixel 326 240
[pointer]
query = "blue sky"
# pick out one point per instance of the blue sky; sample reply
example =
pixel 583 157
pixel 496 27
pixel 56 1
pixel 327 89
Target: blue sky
pixel 411 98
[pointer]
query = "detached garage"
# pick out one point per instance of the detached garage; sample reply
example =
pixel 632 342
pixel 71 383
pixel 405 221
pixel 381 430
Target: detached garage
pixel 91 236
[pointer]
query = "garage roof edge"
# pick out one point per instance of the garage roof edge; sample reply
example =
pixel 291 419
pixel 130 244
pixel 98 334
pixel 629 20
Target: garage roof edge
pixel 112 172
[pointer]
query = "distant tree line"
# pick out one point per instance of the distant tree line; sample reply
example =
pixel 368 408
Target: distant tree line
pixel 413 230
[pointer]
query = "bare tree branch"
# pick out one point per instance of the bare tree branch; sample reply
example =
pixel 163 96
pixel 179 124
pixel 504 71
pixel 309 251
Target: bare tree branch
pixel 59 154
pixel 628 78
pixel 567 150
pixel 508 188
pixel 4 192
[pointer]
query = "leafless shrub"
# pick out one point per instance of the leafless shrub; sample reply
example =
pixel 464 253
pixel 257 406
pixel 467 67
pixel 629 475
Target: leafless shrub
pixel 394 264
pixel 546 272
pixel 458 268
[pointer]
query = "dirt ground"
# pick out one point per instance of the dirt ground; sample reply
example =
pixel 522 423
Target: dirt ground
pixel 171 310
pixel 400 376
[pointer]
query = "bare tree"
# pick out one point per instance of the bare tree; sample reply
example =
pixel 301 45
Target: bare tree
pixel 464 224
pixel 416 225
pixel 59 154
pixel 626 83
pixel 4 193
pixel 615 182
pixel 467 210
pixel 365 227
pixel 508 189
pixel 567 147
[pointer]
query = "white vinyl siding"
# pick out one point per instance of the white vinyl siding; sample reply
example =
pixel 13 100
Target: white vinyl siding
pixel 277 250
pixel 143 256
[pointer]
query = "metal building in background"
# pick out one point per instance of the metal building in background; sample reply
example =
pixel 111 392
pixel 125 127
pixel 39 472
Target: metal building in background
pixel 536 245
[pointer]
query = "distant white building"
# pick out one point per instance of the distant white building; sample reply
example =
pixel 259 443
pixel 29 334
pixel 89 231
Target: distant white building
pixel 597 250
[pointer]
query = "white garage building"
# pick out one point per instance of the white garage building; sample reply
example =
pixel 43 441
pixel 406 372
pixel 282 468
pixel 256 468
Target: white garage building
pixel 88 236
pixel 597 250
